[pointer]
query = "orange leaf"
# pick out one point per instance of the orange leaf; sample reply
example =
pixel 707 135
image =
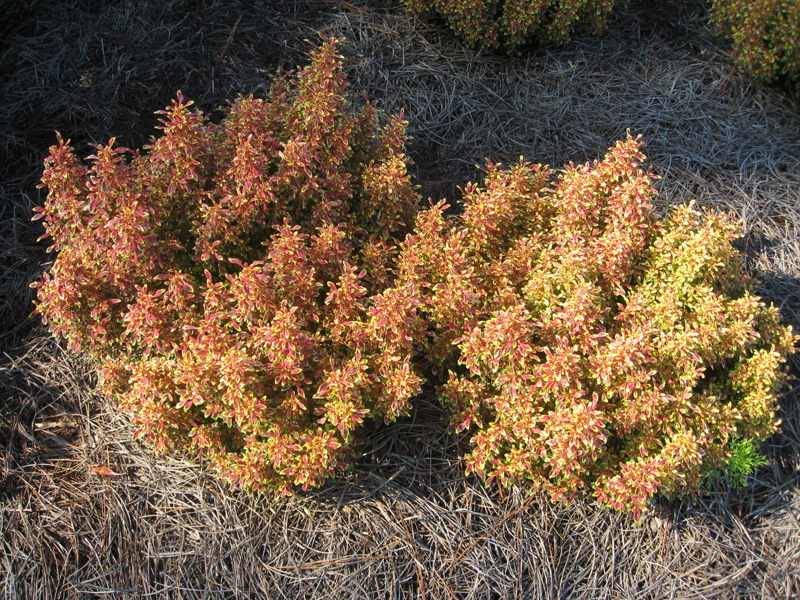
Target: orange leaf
pixel 104 470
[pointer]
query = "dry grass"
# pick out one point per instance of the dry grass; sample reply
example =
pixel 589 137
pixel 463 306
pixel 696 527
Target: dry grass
pixel 403 522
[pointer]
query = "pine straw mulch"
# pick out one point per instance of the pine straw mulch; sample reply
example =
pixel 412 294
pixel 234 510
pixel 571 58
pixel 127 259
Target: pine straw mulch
pixel 403 522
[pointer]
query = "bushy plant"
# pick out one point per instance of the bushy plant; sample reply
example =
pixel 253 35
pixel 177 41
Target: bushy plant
pixel 226 279
pixel 588 345
pixel 489 23
pixel 745 458
pixel 765 35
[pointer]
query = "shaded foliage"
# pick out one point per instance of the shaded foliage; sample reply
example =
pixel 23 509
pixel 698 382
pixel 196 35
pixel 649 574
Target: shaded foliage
pixel 765 35
pixel 490 23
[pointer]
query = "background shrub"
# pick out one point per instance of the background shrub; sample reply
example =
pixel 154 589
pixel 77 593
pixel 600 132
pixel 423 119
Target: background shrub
pixel 489 23
pixel 765 35
pixel 224 277
pixel 587 345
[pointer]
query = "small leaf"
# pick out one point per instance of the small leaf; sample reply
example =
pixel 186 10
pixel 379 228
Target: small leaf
pixel 104 471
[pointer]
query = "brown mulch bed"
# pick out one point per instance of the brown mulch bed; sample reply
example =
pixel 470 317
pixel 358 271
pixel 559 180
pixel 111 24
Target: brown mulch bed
pixel 403 522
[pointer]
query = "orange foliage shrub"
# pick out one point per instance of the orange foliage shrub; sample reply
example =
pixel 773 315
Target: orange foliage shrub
pixel 587 345
pixel 254 291
pixel 225 277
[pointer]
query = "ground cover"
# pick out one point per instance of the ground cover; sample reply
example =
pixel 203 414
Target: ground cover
pixel 404 522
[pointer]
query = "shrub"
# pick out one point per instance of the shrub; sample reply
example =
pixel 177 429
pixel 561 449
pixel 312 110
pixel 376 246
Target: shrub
pixel 587 345
pixel 765 35
pixel 226 279
pixel 488 22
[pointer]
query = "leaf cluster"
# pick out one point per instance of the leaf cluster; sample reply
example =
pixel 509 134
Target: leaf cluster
pixel 745 459
pixel 765 35
pixel 512 23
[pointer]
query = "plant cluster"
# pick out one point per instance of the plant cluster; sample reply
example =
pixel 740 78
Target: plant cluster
pixel 745 458
pixel 765 35
pixel 226 277
pixel 254 290
pixel 587 345
pixel 488 23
